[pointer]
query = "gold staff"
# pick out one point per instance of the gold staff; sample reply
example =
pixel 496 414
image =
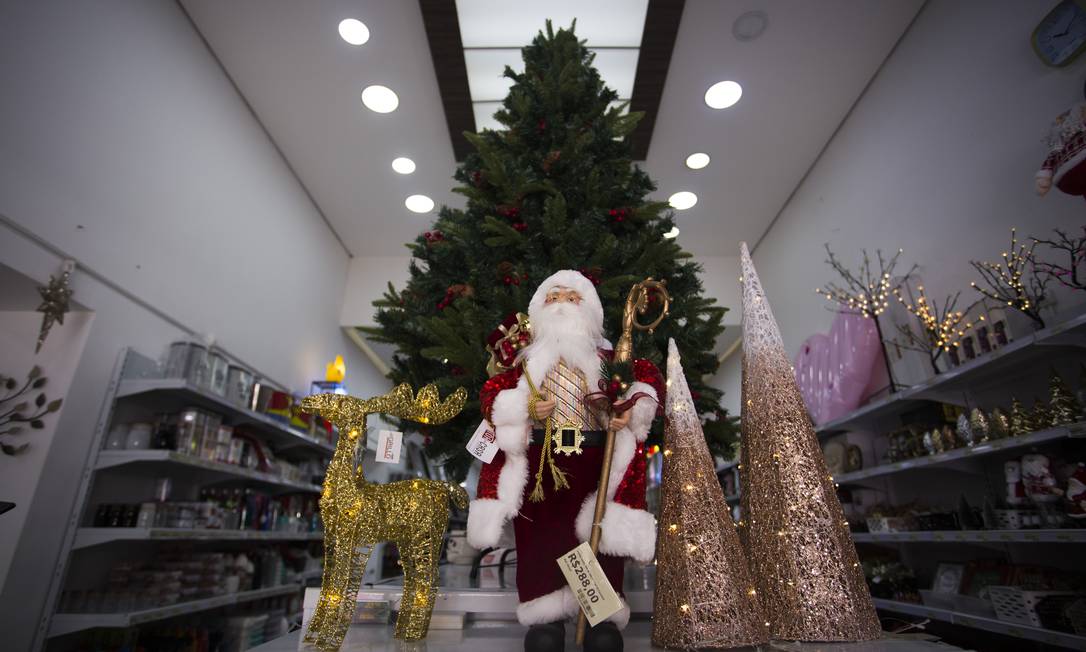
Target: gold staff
pixel 637 301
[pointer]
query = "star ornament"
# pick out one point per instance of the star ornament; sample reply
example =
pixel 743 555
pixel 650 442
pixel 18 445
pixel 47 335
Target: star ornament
pixel 54 305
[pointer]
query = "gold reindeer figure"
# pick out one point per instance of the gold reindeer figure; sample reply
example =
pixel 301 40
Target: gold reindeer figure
pixel 357 515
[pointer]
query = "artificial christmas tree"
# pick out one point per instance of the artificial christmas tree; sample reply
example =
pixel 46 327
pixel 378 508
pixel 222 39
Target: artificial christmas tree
pixel 704 593
pixel 801 554
pixel 556 189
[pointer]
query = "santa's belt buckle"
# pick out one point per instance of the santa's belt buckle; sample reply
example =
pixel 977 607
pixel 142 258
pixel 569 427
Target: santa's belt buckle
pixel 568 439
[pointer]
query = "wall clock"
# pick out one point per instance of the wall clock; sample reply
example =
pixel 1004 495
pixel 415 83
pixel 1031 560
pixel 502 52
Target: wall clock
pixel 1061 35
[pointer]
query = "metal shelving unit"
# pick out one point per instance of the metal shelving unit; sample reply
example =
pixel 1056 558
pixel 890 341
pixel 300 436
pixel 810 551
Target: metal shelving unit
pixel 112 459
pixel 136 389
pixel 974 536
pixel 93 536
pixel 70 623
pixel 1048 636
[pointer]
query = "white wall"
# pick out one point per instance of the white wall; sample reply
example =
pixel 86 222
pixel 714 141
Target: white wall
pixel 123 145
pixel 937 157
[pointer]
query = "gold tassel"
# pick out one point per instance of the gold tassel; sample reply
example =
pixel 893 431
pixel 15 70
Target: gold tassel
pixel 537 492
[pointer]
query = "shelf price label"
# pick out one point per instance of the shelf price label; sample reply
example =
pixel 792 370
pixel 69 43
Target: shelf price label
pixel 590 586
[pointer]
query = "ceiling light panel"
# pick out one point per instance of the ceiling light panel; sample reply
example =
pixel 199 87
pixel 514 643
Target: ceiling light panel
pixel 500 23
pixel 617 68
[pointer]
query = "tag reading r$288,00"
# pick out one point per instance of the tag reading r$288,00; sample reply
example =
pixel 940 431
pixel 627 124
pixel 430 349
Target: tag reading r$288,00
pixel 590 586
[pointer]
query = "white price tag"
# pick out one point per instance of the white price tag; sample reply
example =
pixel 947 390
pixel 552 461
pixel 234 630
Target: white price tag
pixel 389 443
pixel 483 444
pixel 597 598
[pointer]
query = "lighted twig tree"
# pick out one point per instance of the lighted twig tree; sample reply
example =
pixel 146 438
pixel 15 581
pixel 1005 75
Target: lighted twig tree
pixel 1005 281
pixel 1074 251
pixel 940 327
pixel 866 291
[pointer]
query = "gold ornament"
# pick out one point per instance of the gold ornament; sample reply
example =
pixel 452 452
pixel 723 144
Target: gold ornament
pixel 1019 420
pixel 1065 407
pixel 54 301
pixel 700 563
pixel 798 543
pixel 558 476
pixel 357 515
pixel 1041 416
pixel 980 426
pixel 1000 425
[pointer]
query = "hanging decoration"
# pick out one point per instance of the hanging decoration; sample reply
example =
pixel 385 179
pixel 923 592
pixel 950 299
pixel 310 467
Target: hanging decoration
pixel 1006 283
pixel 357 515
pixel 16 411
pixel 866 291
pixel 802 558
pixel 54 301
pixel 704 597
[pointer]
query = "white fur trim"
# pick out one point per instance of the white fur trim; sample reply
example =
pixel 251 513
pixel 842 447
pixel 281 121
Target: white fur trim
pixel 549 608
pixel 625 449
pixel 509 414
pixel 486 519
pixel 487 516
pixel 643 411
pixel 621 618
pixel 625 531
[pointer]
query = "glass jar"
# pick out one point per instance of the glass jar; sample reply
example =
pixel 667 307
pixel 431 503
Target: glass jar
pixel 198 368
pixel 218 372
pixel 239 385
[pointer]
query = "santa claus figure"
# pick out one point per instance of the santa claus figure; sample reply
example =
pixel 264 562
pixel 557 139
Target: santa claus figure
pixel 548 487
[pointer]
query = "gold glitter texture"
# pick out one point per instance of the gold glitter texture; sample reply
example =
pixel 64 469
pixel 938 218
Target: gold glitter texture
pixel 413 514
pixel 704 594
pixel 800 551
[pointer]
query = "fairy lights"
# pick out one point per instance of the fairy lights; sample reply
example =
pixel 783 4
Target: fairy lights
pixel 941 327
pixel 865 291
pixel 1005 281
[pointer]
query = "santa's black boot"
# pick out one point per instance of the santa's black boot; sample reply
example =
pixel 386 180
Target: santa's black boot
pixel 549 637
pixel 604 637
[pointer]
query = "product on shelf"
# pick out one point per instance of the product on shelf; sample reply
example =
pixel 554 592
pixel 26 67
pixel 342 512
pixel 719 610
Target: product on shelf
pixel 218 509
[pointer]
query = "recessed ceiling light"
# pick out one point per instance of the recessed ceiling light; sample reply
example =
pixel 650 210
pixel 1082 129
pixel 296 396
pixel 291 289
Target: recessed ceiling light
pixel 682 200
pixel 673 233
pixel 419 204
pixel 697 161
pixel 750 25
pixel 380 99
pixel 403 165
pixel 354 31
pixel 723 94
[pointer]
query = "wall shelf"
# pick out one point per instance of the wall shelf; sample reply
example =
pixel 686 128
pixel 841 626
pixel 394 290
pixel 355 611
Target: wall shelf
pixel 1076 430
pixel 1048 636
pixel 68 623
pixel 1023 350
pixel 93 536
pixel 279 433
pixel 112 459
pixel 974 536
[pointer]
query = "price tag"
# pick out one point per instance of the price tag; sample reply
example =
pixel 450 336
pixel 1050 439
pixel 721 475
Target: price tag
pixel 483 443
pixel 589 583
pixel 389 443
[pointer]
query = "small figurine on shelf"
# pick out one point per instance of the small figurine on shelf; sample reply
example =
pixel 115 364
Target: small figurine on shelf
pixel 965 431
pixel 1016 490
pixel 999 426
pixel 950 442
pixel 1076 492
pixel 929 443
pixel 1019 420
pixel 1039 481
pixel 1065 407
pixel 978 422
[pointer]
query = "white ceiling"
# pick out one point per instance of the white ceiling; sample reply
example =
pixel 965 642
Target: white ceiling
pixel 799 80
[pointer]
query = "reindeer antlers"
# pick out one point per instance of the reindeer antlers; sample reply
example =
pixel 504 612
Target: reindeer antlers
pixel 348 411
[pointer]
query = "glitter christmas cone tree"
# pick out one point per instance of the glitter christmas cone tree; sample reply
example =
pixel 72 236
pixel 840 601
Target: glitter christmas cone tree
pixel 704 594
pixel 800 551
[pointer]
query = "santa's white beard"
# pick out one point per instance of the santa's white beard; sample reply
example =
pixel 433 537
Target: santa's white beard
pixel 564 331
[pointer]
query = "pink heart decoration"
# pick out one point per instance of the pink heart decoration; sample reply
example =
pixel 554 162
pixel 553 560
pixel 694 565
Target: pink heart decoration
pixel 833 371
